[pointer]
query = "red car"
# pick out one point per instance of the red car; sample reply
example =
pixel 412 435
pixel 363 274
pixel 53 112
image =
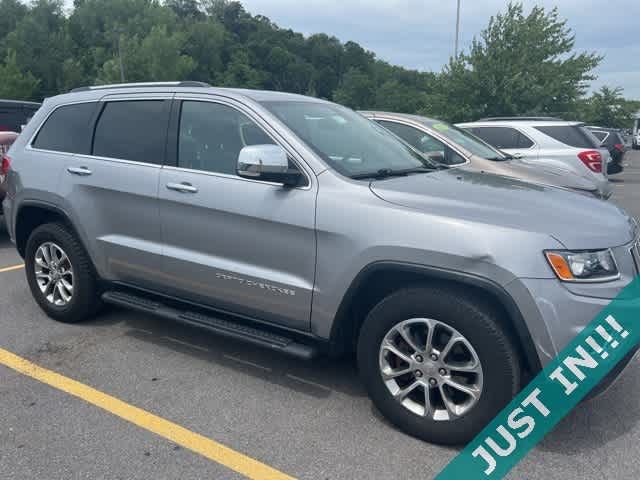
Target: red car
pixel 6 139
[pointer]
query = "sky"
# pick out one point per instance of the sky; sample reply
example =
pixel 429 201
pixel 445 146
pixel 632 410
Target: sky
pixel 420 34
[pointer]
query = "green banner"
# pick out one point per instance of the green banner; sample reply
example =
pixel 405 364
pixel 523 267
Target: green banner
pixel 612 335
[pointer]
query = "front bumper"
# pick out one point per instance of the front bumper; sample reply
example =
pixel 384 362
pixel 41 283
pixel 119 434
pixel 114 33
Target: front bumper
pixel 555 312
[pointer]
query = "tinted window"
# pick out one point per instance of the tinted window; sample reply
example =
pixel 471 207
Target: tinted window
pixel 423 142
pixel 503 137
pixel 132 131
pixel 599 134
pixel 68 129
pixel 572 135
pixel 212 135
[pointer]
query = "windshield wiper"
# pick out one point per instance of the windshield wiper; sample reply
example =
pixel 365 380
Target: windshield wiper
pixel 389 172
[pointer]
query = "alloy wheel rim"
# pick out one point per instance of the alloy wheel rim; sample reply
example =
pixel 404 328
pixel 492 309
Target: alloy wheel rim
pixel 54 274
pixel 431 369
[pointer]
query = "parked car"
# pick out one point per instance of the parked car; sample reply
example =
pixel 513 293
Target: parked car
pixel 14 114
pixel 298 225
pixel 6 140
pixel 612 139
pixel 548 141
pixel 459 148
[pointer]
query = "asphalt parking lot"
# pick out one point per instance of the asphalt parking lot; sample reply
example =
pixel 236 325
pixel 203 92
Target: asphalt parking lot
pixel 306 421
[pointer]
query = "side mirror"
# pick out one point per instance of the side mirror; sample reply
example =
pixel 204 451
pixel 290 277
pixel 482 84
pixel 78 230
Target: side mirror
pixel 268 163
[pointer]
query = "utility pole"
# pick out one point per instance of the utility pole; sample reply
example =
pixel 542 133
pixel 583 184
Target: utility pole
pixel 455 52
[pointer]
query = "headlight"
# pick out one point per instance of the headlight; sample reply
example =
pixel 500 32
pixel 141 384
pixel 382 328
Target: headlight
pixel 593 266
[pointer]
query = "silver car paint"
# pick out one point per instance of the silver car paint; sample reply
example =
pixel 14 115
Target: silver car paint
pixel 249 247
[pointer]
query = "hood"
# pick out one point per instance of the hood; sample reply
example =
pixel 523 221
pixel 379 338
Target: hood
pixel 576 221
pixel 539 174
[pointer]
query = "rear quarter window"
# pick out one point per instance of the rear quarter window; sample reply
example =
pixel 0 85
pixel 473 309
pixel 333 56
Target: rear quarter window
pixel 572 135
pixel 68 129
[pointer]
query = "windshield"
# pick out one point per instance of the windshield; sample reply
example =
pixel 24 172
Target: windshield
pixel 348 142
pixel 467 140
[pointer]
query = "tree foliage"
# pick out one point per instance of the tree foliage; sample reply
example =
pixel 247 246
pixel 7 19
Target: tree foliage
pixel 14 83
pixel 520 64
pixel 608 108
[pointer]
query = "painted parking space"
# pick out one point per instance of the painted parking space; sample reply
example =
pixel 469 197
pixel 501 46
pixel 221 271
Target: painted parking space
pixel 173 432
pixel 11 268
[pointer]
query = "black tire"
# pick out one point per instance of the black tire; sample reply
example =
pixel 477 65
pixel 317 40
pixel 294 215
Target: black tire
pixel 85 301
pixel 472 317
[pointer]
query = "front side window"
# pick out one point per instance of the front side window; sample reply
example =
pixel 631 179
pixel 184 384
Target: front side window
pixel 67 129
pixel 132 130
pixel 212 135
pixel 424 143
pixel 345 140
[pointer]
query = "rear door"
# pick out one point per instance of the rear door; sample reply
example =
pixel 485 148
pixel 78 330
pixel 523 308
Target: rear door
pixel 240 245
pixel 112 191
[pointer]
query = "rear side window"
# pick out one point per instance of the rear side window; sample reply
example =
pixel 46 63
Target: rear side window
pixel 503 137
pixel 600 135
pixel 132 130
pixel 572 135
pixel 67 129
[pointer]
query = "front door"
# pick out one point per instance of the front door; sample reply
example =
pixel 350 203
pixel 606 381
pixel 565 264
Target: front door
pixel 240 245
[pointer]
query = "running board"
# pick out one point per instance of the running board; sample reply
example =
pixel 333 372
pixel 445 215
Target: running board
pixel 225 328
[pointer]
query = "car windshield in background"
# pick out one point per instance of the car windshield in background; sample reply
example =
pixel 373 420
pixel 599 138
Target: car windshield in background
pixel 573 135
pixel 348 142
pixel 467 140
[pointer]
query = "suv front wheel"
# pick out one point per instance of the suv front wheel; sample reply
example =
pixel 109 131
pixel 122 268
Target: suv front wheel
pixel 60 274
pixel 437 363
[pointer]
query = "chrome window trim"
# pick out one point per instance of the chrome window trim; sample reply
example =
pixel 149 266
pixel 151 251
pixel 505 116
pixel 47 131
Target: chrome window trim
pixel 425 129
pixel 116 160
pixel 229 177
pixel 260 122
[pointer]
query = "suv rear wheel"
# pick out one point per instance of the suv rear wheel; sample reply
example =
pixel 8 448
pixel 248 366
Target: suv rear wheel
pixel 60 274
pixel 437 363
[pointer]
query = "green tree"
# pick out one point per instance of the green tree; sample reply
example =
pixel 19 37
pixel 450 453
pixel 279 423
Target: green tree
pixel 521 64
pixel 607 108
pixel 357 90
pixel 14 83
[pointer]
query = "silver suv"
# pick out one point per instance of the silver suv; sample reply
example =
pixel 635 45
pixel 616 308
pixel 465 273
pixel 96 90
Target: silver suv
pixel 550 143
pixel 297 225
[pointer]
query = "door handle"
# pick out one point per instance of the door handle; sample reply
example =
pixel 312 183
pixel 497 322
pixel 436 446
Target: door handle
pixel 82 171
pixel 183 187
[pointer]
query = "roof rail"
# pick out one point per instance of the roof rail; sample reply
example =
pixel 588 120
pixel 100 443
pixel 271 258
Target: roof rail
pixel 186 83
pixel 522 118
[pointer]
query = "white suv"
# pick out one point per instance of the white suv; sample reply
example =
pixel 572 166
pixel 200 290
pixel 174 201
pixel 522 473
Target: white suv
pixel 567 146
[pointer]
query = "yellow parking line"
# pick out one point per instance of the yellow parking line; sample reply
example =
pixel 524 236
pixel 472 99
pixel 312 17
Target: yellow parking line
pixel 11 269
pixel 206 447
